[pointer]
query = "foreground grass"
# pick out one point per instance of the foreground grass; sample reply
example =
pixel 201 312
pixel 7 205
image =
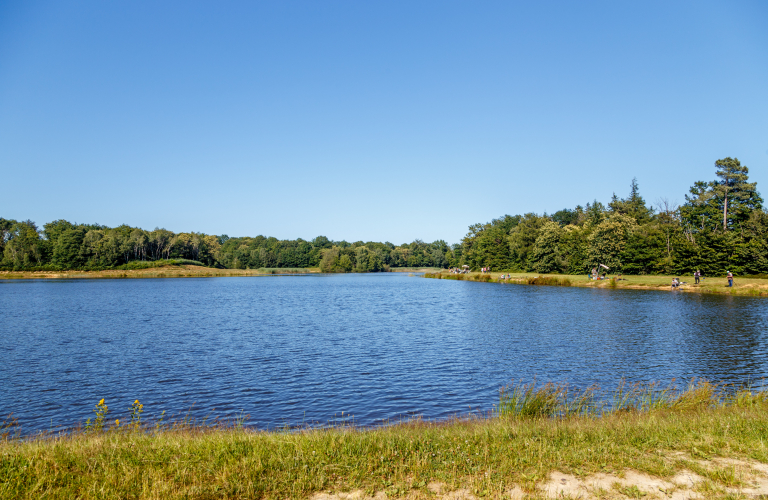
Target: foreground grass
pixel 166 271
pixel 756 287
pixel 485 456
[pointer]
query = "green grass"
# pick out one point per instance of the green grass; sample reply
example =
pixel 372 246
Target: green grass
pixel 486 455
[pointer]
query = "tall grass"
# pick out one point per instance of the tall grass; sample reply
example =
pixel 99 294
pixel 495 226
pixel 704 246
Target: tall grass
pixel 284 270
pixel 550 401
pixel 651 429
pixel 530 280
pixel 561 401
pixel 549 280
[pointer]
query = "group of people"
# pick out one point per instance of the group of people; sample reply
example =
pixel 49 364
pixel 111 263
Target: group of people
pixel 594 275
pixel 698 277
pixel 456 270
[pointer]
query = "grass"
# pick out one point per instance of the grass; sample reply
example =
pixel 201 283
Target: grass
pixel 177 269
pixel 287 270
pixel 746 286
pixel 414 269
pixel 487 456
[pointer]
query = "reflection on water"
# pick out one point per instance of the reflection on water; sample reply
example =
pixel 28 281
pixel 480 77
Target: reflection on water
pixel 288 350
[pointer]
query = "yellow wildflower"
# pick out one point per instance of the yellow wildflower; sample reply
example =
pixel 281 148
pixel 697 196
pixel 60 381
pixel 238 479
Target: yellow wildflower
pixel 136 402
pixel 102 401
pixel 117 421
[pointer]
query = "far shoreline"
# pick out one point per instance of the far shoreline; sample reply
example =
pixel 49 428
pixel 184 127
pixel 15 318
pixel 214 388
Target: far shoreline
pixel 179 271
pixel 743 286
pixel 182 271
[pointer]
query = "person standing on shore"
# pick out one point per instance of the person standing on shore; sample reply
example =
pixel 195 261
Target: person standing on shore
pixel 697 275
pixel 730 279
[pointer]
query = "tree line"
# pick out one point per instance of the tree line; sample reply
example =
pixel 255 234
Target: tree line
pixel 63 245
pixel 721 226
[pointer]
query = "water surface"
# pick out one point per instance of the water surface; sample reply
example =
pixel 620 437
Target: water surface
pixel 293 349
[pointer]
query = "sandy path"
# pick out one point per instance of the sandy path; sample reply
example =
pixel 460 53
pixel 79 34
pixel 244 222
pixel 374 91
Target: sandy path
pixel 750 480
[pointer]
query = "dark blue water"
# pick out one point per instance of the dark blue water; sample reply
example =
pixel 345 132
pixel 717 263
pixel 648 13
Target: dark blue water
pixel 294 349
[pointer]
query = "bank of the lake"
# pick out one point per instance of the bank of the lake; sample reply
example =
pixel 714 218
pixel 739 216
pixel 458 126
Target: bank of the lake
pixel 180 271
pixel 745 286
pixel 692 447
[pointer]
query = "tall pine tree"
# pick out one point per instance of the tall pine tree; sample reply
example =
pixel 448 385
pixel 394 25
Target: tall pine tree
pixel 733 192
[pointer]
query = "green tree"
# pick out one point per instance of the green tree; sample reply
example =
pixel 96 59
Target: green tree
pixel 330 260
pixel 361 259
pixel 345 263
pixel 92 247
pixel 491 249
pixel 733 192
pixel 23 246
pixel 375 263
pixel 322 242
pixel 53 230
pixel 522 239
pixel 700 211
pixel 6 226
pixel 751 253
pixel 633 206
pixel 668 222
pixel 644 250
pixel 67 250
pixel 573 247
pixel 725 203
pixel 595 213
pixel 566 216
pixel 608 240
pixel 546 255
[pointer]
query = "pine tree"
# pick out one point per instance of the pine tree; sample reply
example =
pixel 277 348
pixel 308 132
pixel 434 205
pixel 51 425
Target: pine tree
pixel 733 190
pixel 729 200
pixel 634 205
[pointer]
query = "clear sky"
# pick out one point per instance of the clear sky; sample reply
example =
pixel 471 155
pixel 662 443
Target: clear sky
pixel 369 120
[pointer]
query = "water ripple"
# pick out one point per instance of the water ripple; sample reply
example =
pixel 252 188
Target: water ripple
pixel 292 350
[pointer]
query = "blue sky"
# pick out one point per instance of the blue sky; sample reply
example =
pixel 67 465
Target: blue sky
pixel 369 120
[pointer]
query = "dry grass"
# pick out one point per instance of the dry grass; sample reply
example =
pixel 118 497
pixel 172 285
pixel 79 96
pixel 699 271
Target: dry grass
pixel 185 271
pixel 755 287
pixel 415 269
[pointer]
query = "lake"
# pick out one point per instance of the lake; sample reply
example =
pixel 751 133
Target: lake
pixel 293 350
